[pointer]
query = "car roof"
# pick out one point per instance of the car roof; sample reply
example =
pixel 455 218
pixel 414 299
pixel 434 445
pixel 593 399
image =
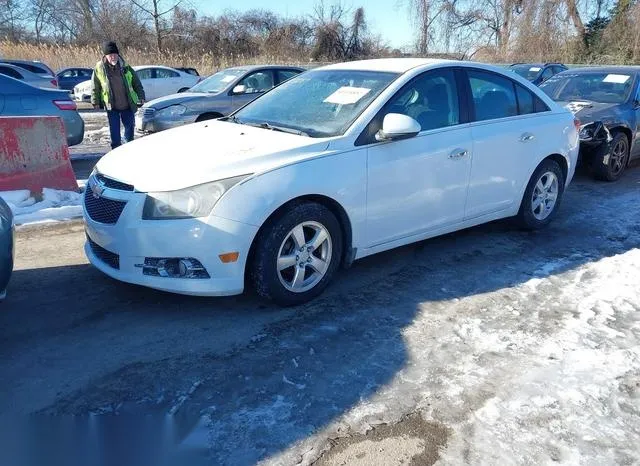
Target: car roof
pixel 22 71
pixel 37 63
pixel 143 67
pixel 605 69
pixel 255 67
pixel 396 65
pixel 74 68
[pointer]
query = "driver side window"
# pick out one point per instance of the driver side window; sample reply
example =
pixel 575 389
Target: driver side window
pixel 260 81
pixel 431 99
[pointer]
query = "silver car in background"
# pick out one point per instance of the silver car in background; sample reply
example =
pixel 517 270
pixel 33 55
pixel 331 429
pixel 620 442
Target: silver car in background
pixel 217 96
pixel 21 99
pixel 33 79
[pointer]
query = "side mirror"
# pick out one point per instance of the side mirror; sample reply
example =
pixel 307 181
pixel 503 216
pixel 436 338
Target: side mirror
pixel 396 126
pixel 240 89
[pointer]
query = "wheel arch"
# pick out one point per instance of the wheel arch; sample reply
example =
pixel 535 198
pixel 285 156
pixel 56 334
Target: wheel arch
pixel 348 253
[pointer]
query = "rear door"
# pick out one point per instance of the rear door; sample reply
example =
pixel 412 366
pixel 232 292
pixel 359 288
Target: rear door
pixel 168 81
pixel 507 127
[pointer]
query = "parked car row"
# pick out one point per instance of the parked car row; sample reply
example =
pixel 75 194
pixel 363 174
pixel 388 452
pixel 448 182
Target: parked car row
pixel 333 165
pixel 158 81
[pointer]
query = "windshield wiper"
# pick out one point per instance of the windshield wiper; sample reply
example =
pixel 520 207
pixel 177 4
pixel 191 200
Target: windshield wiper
pixel 233 119
pixel 282 129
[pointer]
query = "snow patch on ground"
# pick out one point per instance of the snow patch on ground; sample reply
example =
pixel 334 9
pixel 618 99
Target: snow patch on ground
pixel 55 206
pixel 547 371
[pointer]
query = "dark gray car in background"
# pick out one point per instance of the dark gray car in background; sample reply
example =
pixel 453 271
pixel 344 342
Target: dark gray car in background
pixel 6 246
pixel 20 99
pixel 217 96
pixel 606 100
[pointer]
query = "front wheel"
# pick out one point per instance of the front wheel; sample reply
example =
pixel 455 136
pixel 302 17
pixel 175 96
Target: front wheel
pixel 297 254
pixel 542 196
pixel 610 166
pixel 184 89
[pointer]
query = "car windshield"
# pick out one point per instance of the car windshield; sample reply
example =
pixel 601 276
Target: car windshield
pixel 217 82
pixel 321 103
pixel 530 72
pixel 607 88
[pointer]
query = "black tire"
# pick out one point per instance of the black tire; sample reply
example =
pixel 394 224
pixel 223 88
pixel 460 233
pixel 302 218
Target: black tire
pixel 208 116
pixel 264 268
pixel 526 217
pixel 184 89
pixel 608 167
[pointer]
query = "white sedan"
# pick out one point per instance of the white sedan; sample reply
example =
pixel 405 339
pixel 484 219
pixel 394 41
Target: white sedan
pixel 336 164
pixel 157 81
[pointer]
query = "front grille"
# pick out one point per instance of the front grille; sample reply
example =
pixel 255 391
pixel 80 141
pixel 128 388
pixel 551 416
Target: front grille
pixel 148 112
pixel 101 209
pixel 113 184
pixel 108 257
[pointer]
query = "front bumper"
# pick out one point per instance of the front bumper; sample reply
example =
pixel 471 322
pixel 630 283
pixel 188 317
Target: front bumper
pixel 132 240
pixel 153 125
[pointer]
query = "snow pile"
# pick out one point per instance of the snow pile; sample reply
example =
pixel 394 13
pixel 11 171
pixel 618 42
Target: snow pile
pixel 56 205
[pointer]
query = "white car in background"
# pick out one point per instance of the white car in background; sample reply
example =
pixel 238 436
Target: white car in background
pixel 335 164
pixel 157 81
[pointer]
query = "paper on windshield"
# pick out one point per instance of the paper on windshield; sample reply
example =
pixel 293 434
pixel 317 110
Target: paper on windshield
pixel 616 78
pixel 535 68
pixel 228 79
pixel 347 95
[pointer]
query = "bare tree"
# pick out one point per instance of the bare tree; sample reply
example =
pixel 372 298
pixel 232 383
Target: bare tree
pixel 157 12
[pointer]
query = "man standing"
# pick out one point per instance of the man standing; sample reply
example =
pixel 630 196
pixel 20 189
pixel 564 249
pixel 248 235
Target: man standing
pixel 117 89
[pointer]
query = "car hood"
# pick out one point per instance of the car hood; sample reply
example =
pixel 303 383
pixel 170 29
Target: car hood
pixel 588 112
pixel 203 152
pixel 174 99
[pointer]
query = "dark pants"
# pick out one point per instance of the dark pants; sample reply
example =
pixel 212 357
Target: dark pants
pixel 127 118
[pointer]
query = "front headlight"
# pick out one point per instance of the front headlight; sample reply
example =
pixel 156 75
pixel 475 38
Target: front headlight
pixel 171 111
pixel 193 202
pixel 587 132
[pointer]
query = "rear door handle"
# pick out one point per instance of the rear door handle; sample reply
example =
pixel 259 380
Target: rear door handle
pixel 458 154
pixel 526 137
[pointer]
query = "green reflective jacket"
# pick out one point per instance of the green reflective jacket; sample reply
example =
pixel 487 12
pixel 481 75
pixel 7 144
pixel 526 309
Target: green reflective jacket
pixel 102 94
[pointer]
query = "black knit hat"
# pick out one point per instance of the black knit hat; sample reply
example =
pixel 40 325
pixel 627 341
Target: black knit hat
pixel 109 47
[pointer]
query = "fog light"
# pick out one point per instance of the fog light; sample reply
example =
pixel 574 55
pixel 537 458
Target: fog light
pixel 173 267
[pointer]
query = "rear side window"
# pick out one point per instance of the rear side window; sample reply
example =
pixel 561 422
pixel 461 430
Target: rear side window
pixel 528 102
pixel 10 72
pixel 493 96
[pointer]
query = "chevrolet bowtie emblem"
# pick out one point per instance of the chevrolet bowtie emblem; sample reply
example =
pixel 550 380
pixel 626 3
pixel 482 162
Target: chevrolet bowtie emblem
pixel 96 188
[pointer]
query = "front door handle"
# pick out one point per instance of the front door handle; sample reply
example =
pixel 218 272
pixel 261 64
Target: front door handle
pixel 526 137
pixel 458 154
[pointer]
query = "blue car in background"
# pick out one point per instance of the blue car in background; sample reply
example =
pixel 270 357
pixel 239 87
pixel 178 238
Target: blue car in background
pixel 538 73
pixel 20 99
pixel 6 246
pixel 69 78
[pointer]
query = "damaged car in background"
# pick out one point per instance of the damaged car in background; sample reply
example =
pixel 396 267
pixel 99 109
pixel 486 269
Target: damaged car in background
pixel 607 103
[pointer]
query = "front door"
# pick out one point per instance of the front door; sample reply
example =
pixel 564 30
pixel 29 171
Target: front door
pixel 420 184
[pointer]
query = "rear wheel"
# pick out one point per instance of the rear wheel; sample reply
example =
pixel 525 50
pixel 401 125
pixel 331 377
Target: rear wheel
pixel 542 196
pixel 610 166
pixel 297 254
